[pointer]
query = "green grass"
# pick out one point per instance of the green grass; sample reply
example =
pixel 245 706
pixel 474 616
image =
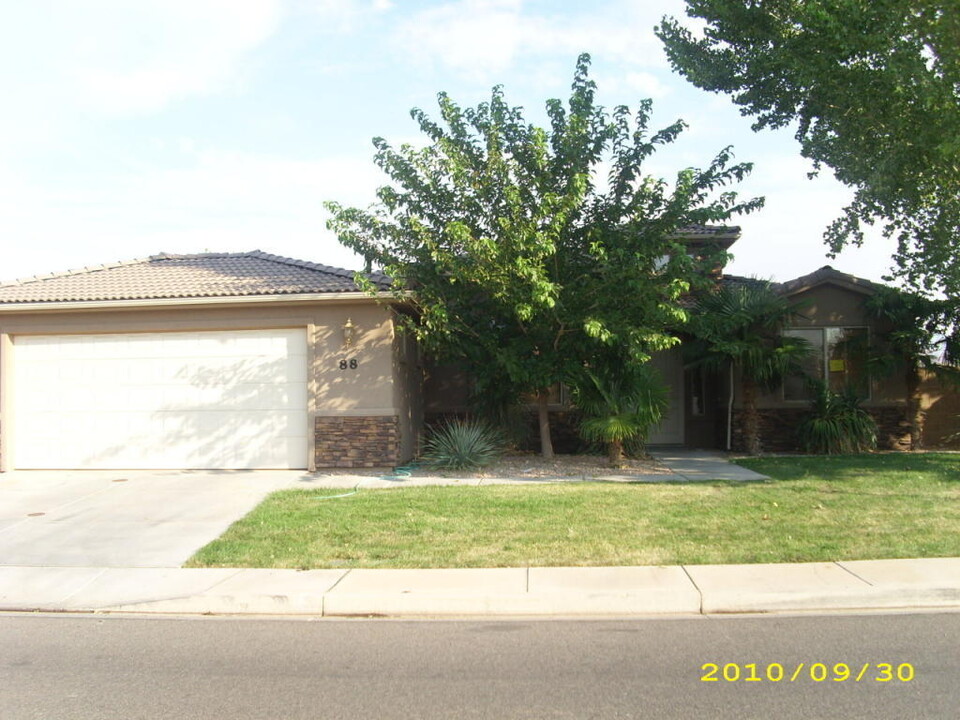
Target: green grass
pixel 815 509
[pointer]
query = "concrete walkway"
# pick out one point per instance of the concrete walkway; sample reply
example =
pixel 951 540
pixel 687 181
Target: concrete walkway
pixel 600 592
pixel 703 465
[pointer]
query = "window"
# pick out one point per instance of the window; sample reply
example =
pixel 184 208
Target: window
pixel 839 357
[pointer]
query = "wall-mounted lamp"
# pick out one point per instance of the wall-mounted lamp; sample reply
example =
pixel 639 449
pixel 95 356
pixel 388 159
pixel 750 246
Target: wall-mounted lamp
pixel 349 333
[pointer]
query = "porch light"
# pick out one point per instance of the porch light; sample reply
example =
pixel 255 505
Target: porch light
pixel 349 333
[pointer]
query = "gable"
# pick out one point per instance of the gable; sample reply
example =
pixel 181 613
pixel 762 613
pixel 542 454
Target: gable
pixel 830 305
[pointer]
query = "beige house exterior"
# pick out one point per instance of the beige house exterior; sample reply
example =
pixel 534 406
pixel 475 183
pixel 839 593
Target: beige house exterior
pixel 243 360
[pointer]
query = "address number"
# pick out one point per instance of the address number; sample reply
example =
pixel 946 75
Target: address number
pixel 350 364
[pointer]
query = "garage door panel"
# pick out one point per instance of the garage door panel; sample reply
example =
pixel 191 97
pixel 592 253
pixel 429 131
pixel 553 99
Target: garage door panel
pixel 233 399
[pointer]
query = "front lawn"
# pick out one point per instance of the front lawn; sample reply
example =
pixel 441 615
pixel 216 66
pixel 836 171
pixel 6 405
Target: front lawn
pixel 816 508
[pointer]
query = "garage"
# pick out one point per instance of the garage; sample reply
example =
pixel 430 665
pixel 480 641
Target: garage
pixel 232 399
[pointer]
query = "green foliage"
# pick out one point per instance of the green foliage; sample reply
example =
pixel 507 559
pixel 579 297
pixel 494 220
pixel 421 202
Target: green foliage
pixel 742 326
pixel 524 251
pixel 836 424
pixel 462 445
pixel 619 404
pixel 917 331
pixel 873 89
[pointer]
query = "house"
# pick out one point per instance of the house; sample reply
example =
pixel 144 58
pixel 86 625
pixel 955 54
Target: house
pixel 239 360
pixel 250 360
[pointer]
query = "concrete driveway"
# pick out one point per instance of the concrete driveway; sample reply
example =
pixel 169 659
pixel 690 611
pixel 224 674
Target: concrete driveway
pixel 124 519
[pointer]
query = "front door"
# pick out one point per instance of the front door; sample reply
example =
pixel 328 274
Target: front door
pixel 670 431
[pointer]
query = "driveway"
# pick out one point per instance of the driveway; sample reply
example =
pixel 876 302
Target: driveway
pixel 124 519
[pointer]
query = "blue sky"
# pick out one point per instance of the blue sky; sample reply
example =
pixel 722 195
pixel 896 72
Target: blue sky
pixel 222 125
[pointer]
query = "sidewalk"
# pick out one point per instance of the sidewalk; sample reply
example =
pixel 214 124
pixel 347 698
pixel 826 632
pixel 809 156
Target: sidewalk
pixel 597 592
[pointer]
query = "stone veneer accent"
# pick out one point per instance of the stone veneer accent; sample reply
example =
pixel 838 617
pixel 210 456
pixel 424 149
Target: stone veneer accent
pixel 357 442
pixel 778 428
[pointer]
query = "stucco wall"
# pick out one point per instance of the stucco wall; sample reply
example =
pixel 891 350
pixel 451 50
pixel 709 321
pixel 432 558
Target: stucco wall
pixel 941 403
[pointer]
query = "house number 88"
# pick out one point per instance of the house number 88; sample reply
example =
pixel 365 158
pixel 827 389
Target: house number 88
pixel 351 363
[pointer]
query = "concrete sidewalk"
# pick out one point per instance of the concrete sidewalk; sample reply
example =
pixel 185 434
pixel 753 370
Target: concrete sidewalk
pixel 598 592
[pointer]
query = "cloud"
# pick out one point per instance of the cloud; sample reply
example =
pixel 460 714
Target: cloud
pixel 114 57
pixel 341 16
pixel 639 84
pixel 137 58
pixel 479 39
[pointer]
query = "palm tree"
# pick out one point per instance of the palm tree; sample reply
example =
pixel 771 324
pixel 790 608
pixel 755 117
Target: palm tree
pixel 619 402
pixel 739 328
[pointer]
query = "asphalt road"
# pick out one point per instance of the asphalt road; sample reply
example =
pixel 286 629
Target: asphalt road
pixel 66 667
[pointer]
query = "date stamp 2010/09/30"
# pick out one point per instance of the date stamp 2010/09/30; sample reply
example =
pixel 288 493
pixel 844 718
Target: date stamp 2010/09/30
pixel 818 672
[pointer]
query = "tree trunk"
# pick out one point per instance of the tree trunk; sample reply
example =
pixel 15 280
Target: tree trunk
pixel 615 453
pixel 915 414
pixel 543 415
pixel 751 419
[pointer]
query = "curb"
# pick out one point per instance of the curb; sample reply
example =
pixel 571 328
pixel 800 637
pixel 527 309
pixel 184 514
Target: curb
pixel 683 591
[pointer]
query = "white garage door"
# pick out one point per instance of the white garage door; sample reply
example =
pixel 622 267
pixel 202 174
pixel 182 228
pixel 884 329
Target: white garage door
pixel 234 399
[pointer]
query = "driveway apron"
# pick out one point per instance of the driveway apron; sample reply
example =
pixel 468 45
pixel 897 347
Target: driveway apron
pixel 122 518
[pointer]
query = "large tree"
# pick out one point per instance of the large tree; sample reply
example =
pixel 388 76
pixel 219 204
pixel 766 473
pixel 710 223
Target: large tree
pixel 873 90
pixel 525 250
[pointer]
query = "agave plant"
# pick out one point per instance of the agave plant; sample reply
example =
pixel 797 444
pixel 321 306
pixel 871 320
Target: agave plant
pixel 837 424
pixel 463 445
pixel 619 406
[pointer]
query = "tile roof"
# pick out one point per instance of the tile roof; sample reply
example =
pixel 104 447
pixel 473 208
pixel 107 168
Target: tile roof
pixel 824 275
pixel 186 276
pixel 696 231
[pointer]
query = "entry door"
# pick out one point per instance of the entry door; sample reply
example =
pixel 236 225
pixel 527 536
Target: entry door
pixel 670 431
pixel 225 399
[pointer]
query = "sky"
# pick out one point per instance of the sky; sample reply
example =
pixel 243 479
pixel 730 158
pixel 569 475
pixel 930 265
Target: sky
pixel 185 126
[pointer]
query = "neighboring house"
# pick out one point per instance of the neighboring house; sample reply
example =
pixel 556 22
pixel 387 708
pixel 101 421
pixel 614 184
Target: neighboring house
pixel 243 360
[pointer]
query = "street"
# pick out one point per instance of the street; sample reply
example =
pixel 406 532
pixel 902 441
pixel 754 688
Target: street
pixel 94 666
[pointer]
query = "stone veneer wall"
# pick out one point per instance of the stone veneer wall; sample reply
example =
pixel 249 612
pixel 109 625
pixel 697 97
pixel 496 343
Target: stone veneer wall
pixel 357 442
pixel 778 428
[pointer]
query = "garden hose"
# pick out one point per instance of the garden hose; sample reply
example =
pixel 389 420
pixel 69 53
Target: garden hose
pixel 401 472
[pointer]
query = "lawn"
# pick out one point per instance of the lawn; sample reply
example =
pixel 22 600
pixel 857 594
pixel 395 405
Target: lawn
pixel 815 508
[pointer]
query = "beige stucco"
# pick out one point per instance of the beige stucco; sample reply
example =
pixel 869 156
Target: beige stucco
pixel 376 387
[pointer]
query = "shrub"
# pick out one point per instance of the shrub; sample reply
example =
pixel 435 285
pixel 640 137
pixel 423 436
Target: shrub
pixel 619 407
pixel 837 424
pixel 462 445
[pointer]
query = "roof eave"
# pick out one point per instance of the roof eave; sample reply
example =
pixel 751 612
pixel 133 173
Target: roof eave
pixel 290 299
